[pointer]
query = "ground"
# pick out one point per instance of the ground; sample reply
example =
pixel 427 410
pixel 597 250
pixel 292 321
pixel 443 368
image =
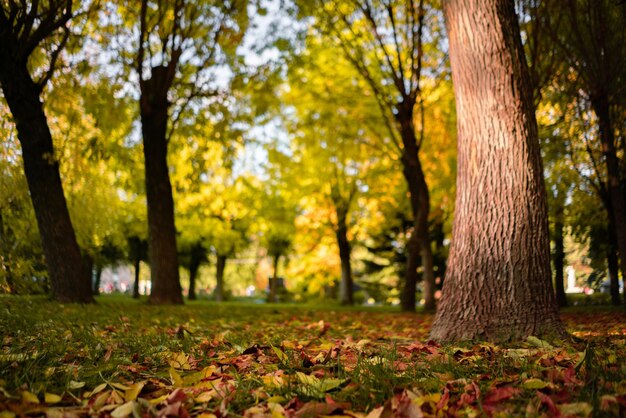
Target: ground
pixel 126 358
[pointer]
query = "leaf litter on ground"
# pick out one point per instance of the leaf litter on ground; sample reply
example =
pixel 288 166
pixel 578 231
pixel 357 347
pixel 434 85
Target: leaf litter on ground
pixel 121 358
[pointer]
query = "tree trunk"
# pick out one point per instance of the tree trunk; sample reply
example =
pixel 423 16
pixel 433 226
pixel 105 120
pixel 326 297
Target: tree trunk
pixel 613 263
pixel 428 279
pixel 346 296
pixel 558 257
pixel 193 273
pixel 161 230
pixel 271 298
pixel 498 283
pixel 137 265
pixel 219 278
pixel 419 241
pixel 600 104
pixel 63 259
pixel 6 257
pixel 97 280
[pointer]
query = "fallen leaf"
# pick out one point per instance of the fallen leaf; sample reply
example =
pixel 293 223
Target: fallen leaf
pixel 29 397
pixel 51 398
pixel 123 410
pixel 133 391
pixel 535 384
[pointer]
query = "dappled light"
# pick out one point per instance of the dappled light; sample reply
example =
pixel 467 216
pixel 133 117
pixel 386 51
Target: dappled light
pixel 303 208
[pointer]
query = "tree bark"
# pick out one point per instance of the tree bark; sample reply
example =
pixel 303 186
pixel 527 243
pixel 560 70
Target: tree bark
pixel 62 254
pixel 161 229
pixel 600 104
pixel 558 257
pixel 219 278
pixel 498 282
pixel 137 265
pixel 346 296
pixel 419 241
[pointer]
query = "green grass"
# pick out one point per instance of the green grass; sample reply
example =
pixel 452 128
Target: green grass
pixel 300 358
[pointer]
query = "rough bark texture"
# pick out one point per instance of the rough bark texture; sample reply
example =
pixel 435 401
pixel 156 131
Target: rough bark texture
pixel 161 230
pixel 558 256
pixel 498 283
pixel 219 278
pixel 63 258
pixel 346 296
pixel 419 241
pixel 600 104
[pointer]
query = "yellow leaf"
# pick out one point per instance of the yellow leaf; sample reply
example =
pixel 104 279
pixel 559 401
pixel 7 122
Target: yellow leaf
pixel 276 399
pixel 205 396
pixel 7 414
pixel 120 386
pixel 29 397
pixel 194 378
pixel 177 381
pixel 280 354
pixel 158 400
pixel 101 400
pixel 577 409
pixel 51 398
pixel 539 343
pixel 206 415
pixel 98 389
pixel 180 361
pixel 133 391
pixel 124 410
pixel 534 384
pixel 75 385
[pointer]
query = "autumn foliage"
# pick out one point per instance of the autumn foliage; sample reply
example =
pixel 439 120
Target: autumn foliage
pixel 122 358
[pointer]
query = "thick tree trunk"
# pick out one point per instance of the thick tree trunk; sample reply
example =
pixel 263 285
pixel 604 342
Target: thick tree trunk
pixel 600 104
pixel 346 296
pixel 63 259
pixel 137 265
pixel 498 283
pixel 419 241
pixel 161 230
pixel 219 278
pixel 558 256
pixel 271 297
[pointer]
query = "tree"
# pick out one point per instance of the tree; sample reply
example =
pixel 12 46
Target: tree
pixel 330 152
pixel 498 283
pixel 40 29
pixel 179 44
pixel 591 37
pixel 385 42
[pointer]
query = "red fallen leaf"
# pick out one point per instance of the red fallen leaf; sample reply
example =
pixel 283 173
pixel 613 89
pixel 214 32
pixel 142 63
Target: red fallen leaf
pixel 549 403
pixel 569 377
pixel 173 410
pixel 472 393
pixel 177 396
pixel 403 406
pixel 500 394
pixel 444 399
pixel 316 409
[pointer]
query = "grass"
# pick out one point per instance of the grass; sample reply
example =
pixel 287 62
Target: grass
pixel 244 359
